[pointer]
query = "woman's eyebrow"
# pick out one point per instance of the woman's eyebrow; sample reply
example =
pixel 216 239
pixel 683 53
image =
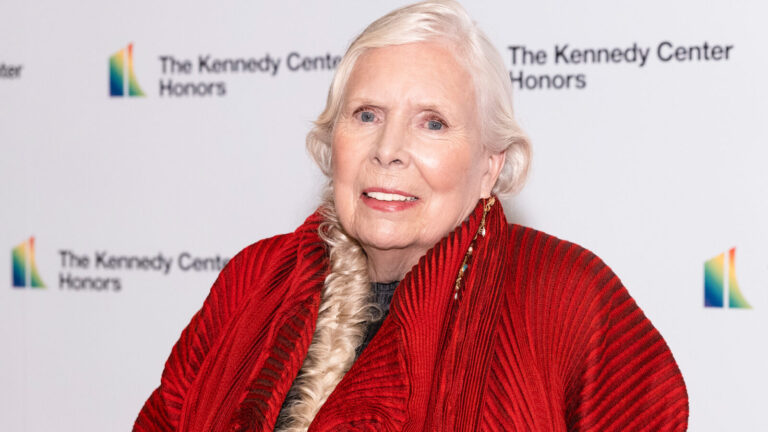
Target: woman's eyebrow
pixel 361 101
pixel 430 107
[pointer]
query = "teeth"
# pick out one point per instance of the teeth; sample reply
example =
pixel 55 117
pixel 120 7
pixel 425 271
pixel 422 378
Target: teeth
pixel 381 196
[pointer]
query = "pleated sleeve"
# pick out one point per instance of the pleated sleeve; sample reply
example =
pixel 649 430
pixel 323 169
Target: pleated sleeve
pixel 163 409
pixel 618 372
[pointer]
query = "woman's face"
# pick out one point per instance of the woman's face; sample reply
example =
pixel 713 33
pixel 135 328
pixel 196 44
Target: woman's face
pixel 408 163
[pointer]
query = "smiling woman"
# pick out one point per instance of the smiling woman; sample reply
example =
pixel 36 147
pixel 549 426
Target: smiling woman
pixel 407 301
pixel 409 164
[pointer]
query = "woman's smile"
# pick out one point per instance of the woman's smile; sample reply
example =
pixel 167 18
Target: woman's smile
pixel 388 200
pixel 408 160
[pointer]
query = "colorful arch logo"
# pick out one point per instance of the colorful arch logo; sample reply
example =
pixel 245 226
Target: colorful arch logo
pixel 23 266
pixel 716 273
pixel 122 79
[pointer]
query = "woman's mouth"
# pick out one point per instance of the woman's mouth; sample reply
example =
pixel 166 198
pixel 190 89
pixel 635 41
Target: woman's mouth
pixel 382 196
pixel 388 200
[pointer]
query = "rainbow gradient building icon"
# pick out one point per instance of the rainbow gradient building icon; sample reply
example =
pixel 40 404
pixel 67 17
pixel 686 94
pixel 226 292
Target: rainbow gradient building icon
pixel 716 274
pixel 122 79
pixel 23 266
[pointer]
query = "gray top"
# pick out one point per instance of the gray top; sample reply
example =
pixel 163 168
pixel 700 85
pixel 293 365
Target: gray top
pixel 382 295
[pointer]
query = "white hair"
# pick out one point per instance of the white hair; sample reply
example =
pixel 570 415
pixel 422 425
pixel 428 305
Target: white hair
pixel 346 307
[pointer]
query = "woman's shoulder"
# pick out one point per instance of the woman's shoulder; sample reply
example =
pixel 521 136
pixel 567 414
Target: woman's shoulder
pixel 257 253
pixel 556 281
pixel 261 258
pixel 538 255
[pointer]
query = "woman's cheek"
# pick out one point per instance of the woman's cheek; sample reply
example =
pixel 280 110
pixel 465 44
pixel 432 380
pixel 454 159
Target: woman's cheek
pixel 344 159
pixel 444 167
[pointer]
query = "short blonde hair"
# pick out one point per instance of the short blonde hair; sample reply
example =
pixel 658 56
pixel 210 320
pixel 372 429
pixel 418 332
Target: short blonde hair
pixel 438 20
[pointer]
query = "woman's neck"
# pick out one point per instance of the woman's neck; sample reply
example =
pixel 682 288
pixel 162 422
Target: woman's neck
pixel 391 264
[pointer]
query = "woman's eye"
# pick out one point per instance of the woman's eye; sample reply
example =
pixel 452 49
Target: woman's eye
pixel 434 125
pixel 367 116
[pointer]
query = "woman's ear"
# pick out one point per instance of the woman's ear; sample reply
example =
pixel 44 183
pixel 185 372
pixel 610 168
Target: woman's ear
pixel 495 163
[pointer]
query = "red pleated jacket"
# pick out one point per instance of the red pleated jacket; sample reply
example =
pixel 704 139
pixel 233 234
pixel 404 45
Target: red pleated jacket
pixel 544 337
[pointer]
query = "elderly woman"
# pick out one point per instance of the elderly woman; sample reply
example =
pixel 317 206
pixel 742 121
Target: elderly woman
pixel 490 327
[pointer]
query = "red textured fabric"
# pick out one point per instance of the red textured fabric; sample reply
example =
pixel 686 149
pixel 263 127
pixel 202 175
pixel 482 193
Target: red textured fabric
pixel 544 337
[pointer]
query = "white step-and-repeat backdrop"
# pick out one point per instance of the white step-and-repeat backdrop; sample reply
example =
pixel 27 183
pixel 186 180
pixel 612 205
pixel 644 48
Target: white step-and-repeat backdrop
pixel 145 143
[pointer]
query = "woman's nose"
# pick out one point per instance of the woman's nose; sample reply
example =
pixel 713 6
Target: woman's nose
pixel 391 145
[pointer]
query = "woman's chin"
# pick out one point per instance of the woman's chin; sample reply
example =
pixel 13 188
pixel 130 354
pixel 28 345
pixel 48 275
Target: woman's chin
pixel 383 241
